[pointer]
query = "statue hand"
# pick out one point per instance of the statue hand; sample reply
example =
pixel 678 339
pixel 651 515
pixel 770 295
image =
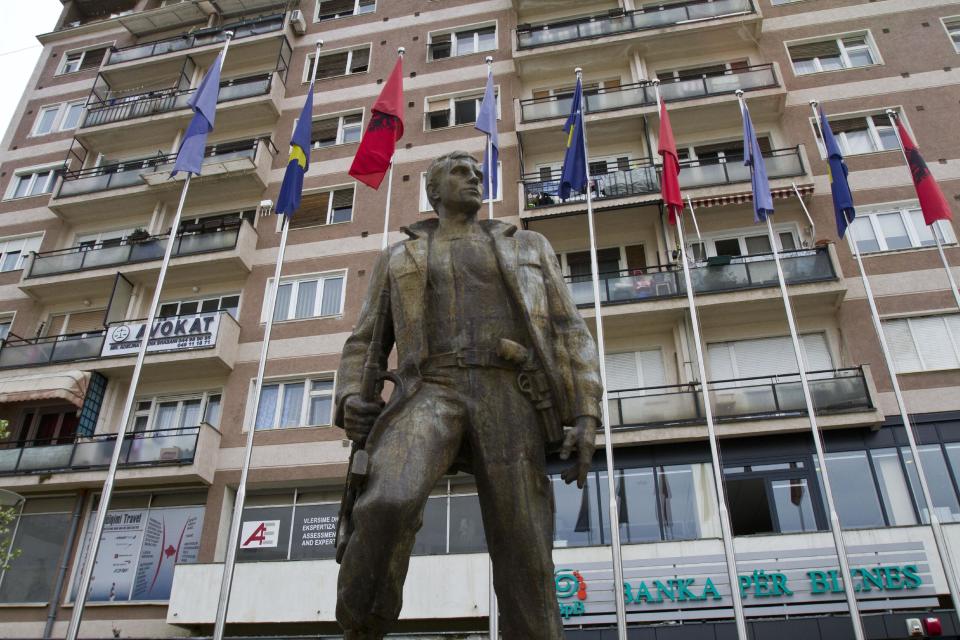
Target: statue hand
pixel 359 416
pixel 583 437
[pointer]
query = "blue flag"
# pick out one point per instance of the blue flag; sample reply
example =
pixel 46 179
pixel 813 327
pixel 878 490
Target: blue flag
pixel 204 105
pixel 292 188
pixel 753 158
pixel 842 198
pixel 573 176
pixel 487 123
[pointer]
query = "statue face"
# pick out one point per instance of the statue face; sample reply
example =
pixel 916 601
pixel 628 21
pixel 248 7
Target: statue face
pixel 460 188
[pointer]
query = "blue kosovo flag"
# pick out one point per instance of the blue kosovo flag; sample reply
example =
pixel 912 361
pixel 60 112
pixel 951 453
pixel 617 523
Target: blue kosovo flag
pixel 573 176
pixel 204 105
pixel 839 187
pixel 292 188
pixel 487 123
pixel 753 158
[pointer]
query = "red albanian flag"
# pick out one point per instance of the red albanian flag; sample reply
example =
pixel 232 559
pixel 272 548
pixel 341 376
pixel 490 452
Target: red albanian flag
pixel 932 201
pixel 380 139
pixel 670 182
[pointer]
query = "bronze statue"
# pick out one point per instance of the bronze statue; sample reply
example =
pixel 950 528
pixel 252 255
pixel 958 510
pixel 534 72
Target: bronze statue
pixel 494 361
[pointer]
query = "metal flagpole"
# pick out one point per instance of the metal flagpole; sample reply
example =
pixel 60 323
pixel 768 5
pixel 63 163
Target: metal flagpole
pixel 725 531
pixel 693 216
pixel 835 529
pixel 386 215
pixel 76 617
pixel 605 408
pixel 935 525
pixel 494 611
pixel 489 60
pixel 813 225
pixel 933 228
pixel 233 537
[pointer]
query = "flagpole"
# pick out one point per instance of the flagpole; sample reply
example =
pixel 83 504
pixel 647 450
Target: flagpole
pixel 813 225
pixel 933 228
pixel 494 611
pixel 605 407
pixel 86 575
pixel 835 529
pixel 489 61
pixel 693 216
pixel 726 534
pixel 935 525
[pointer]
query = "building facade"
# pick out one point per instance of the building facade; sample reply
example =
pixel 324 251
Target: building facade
pixel 86 214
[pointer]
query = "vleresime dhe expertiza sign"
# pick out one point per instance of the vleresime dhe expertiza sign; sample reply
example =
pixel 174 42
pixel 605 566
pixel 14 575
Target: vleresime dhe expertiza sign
pixel 193 331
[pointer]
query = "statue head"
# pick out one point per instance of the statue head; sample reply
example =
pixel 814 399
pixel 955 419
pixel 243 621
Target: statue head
pixel 455 184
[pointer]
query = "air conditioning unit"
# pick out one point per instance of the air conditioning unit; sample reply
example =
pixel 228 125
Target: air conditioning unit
pixel 168 454
pixel 298 22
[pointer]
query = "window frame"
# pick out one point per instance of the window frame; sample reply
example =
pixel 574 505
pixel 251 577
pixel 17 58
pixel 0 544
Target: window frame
pixel 453 33
pixel 305 277
pixel 906 210
pixel 356 12
pixel 806 471
pixel 32 172
pixel 954 341
pixel 62 64
pixel 340 116
pixel 709 241
pixel 25 245
pixel 155 401
pixel 181 301
pixel 57 125
pixel 307 380
pixel 869 43
pixel 951 25
pixel 329 219
pixel 452 99
pixel 310 61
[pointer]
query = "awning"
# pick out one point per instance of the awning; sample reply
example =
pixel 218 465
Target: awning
pixel 740 198
pixel 174 15
pixel 235 7
pixel 70 386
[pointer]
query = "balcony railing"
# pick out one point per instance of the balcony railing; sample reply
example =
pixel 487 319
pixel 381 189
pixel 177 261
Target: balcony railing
pixel 196 39
pixel 542 189
pixel 840 391
pixel 141 448
pixel 615 22
pixel 128 173
pixel 156 102
pixel 29 352
pixel 714 276
pixel 641 94
pixel 188 242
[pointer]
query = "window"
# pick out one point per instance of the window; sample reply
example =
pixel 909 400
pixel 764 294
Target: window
pixel 771 498
pixel 75 61
pixel 896 227
pixel 842 52
pixel 229 303
pixel 870 488
pixel 952 25
pixel 743 244
pixel 310 297
pixel 32 183
pixel 58 117
pixel 861 134
pixel 324 207
pixel 339 63
pixel 450 111
pixel 765 357
pixel 5 323
pixel 167 413
pixel 464 42
pixel 425 203
pixel 289 525
pixel 295 403
pixel 635 370
pixel 133 545
pixel 333 9
pixel 40 532
pixel 13 252
pixel 334 130
pixel 926 343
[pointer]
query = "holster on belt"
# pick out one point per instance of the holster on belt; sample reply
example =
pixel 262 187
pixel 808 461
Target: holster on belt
pixel 534 383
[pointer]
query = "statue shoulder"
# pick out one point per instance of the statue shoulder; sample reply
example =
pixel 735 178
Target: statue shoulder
pixel 534 240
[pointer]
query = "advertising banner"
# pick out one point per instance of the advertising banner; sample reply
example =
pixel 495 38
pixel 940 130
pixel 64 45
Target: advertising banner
pixel 177 333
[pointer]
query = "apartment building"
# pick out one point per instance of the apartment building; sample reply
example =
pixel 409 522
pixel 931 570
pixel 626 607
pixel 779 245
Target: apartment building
pixel 86 211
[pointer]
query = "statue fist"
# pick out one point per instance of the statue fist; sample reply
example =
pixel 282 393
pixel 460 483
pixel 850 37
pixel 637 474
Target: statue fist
pixel 582 438
pixel 359 416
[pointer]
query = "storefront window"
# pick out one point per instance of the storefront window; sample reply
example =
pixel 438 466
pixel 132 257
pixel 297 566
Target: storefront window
pixel 938 479
pixel 854 491
pixel 770 498
pixel 577 519
pixel 291 525
pixel 893 487
pixel 40 533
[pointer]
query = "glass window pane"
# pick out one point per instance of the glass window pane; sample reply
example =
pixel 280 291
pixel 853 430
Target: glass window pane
pixel 859 57
pixel 893 487
pixel 938 479
pixel 863 234
pixel 72 118
pixel 729 247
pixel 794 508
pixel 465 43
pixel 267 408
pixel 207 306
pixel 264 534
pixel 190 414
pixel 40 539
pixel 188 308
pixel 749 505
pixel 212 415
pixel 166 414
pixel 894 231
pixel 466 525
pixel 888 138
pixel 853 490
pixel 306 299
pixel 787 242
pixel 23 185
pixel 677 496
pixel 933 342
pixel 320 407
pixel 230 304
pixel 637 505
pixel 577 515
pixel 757 244
pixel 282 309
pixel 41 184
pixel 332 292
pixel 292 405
pixel 45 122
pixel 432 537
pixel 321 385
pixel 465 111
pixel 859 141
pixel 11 261
pixel 314 532
pixel 487 39
pixel 924 233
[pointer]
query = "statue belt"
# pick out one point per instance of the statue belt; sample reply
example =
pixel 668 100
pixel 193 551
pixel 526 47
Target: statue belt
pixel 473 358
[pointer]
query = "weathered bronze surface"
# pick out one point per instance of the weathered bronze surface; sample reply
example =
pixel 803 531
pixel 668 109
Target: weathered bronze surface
pixel 494 361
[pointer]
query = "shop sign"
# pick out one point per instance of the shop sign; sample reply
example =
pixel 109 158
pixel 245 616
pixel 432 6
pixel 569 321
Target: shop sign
pixel 195 331
pixel 259 534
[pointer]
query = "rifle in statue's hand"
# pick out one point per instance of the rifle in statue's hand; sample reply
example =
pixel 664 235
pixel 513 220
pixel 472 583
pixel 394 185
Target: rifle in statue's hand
pixel 371 387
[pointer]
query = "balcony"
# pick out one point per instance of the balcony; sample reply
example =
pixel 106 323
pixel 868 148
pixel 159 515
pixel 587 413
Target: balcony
pixel 616 22
pixel 843 391
pixel 717 275
pixel 641 94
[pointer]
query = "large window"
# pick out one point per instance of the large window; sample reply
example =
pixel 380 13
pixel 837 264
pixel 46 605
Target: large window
pixel 13 252
pixel 39 533
pixel 74 61
pixel 952 25
pixel 339 63
pixel 31 183
pixel 310 296
pixel 451 111
pixel 335 130
pixel 926 343
pixel 295 403
pixel 763 357
pixel 164 413
pixel 772 497
pixel 870 488
pixel 58 117
pixel 742 244
pixel 463 42
pixel 832 54
pixel 635 370
pixel 897 227
pixel 334 9
pixel 862 133
pixel 145 537
pixel 229 303
pixel 324 207
pixel 289 525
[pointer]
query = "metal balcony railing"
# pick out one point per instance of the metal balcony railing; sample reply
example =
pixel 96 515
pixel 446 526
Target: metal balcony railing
pixel 140 448
pixel 834 391
pixel 641 94
pixel 618 21
pixel 780 163
pixel 127 173
pixel 199 38
pixel 153 103
pixel 190 241
pixel 714 276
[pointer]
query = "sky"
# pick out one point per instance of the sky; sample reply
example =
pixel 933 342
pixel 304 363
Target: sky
pixel 21 21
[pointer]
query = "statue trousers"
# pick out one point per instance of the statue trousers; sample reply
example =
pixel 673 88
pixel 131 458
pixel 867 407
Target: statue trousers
pixel 483 412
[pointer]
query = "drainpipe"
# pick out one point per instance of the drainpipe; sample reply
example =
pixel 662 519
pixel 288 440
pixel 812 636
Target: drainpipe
pixel 64 563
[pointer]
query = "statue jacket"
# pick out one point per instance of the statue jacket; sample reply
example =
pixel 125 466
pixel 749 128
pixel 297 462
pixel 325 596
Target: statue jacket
pixel 564 346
